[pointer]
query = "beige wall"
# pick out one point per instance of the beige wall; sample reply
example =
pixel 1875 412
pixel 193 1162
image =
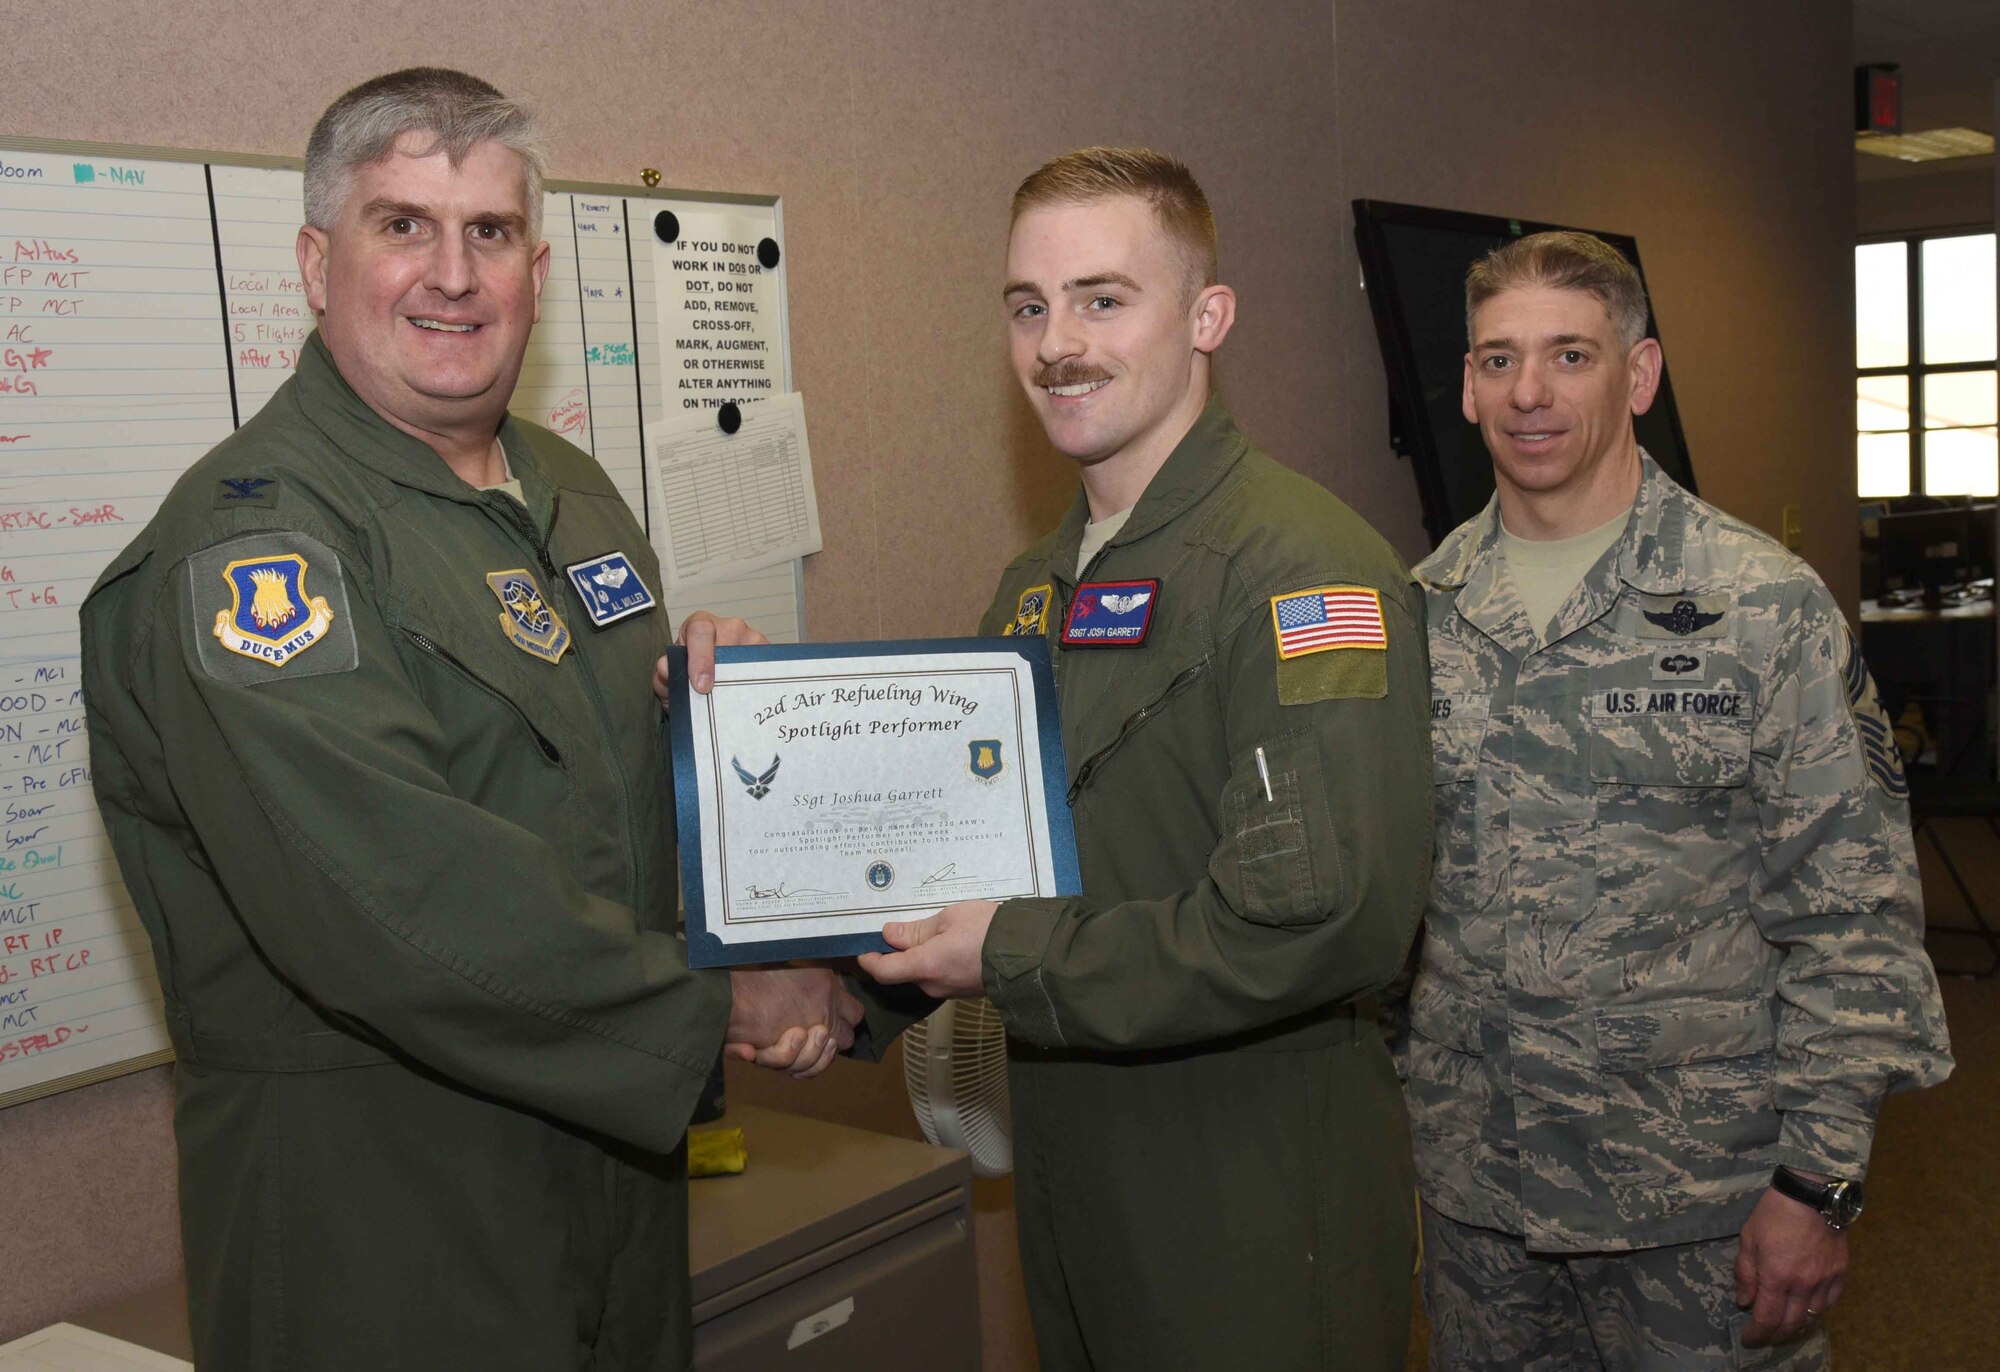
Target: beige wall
pixel 1911 204
pixel 1713 131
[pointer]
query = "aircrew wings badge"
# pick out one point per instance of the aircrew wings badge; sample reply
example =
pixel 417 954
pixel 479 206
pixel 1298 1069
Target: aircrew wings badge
pixel 526 617
pixel 270 618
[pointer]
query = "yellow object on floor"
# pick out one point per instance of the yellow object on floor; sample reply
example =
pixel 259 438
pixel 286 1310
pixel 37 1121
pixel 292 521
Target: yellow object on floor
pixel 717 1153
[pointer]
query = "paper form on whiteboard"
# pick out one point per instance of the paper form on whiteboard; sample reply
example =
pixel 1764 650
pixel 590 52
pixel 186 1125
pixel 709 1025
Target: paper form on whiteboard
pixel 768 601
pixel 729 504
pixel 68 1348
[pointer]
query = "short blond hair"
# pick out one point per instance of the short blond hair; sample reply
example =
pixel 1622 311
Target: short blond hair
pixel 1165 183
pixel 1564 260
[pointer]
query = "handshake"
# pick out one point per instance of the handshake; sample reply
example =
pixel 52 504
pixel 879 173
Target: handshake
pixel 790 1019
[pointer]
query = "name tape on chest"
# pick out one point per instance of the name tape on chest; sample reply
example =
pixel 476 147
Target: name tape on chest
pixel 1110 614
pixel 269 606
pixel 610 588
pixel 1459 708
pixel 1620 703
pixel 526 617
pixel 1031 613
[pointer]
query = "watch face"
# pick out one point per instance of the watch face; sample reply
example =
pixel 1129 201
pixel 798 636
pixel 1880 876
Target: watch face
pixel 1843 1204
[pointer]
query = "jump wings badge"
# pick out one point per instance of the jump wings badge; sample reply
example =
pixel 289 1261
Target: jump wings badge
pixel 985 761
pixel 270 618
pixel 526 617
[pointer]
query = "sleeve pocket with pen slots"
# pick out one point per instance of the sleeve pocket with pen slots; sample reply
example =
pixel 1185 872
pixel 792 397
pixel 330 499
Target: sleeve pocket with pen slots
pixel 1265 860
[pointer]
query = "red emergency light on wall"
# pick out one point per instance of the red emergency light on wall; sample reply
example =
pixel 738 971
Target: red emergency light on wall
pixel 1878 99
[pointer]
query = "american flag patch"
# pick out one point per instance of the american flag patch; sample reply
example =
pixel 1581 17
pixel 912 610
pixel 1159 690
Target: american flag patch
pixel 1328 617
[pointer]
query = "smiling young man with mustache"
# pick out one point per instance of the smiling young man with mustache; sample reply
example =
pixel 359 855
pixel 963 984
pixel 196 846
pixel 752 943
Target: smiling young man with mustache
pixel 1674 954
pixel 1212 1160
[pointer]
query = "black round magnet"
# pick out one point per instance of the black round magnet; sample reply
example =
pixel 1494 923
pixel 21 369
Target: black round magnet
pixel 667 225
pixel 767 252
pixel 729 418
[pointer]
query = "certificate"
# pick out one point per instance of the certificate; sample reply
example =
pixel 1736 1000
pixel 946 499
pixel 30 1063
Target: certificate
pixel 824 789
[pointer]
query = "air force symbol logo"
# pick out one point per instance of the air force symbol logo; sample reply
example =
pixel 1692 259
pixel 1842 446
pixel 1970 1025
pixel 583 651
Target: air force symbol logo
pixel 985 762
pixel 270 618
pixel 610 588
pixel 758 784
pixel 526 617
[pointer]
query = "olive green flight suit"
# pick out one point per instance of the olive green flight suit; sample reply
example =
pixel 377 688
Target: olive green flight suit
pixel 1211 1157
pixel 411 895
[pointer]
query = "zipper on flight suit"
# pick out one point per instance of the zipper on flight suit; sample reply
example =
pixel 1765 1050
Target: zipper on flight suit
pixel 438 651
pixel 517 515
pixel 1125 730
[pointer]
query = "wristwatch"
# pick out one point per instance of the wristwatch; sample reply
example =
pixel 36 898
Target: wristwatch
pixel 1838 1202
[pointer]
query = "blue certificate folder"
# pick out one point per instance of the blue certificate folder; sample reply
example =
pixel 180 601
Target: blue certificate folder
pixel 705 947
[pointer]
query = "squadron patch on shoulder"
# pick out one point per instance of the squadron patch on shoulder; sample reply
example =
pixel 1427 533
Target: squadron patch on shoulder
pixel 271 605
pixel 1871 722
pixel 610 588
pixel 1319 630
pixel 526 617
pixel 1031 613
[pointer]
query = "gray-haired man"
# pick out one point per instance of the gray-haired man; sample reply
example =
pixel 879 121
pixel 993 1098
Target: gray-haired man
pixel 387 791
pixel 1674 955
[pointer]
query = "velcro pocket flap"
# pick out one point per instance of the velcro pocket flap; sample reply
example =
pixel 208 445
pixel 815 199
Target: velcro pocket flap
pixel 1660 751
pixel 1267 853
pixel 1670 1033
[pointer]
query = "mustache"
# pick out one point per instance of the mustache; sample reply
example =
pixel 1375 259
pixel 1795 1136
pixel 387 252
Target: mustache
pixel 1069 374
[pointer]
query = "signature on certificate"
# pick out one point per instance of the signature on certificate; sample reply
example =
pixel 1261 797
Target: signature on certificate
pixel 946 875
pixel 782 891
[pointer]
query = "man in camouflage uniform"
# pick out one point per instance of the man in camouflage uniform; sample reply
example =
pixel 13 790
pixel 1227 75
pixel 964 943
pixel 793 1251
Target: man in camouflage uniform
pixel 1674 938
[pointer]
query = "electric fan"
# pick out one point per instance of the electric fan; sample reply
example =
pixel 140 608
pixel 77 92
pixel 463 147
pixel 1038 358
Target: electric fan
pixel 955 1066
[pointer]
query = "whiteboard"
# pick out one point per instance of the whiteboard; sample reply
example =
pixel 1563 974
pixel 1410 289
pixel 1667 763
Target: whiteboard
pixel 150 303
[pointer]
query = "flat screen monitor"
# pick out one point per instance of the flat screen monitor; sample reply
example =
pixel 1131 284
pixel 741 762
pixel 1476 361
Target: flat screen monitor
pixel 1413 262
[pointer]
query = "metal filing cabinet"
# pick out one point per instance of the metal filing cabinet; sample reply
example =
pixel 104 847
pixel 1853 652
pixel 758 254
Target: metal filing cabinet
pixel 838 1250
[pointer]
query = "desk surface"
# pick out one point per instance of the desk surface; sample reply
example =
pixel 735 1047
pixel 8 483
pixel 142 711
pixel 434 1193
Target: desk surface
pixel 807 1184
pixel 1872 612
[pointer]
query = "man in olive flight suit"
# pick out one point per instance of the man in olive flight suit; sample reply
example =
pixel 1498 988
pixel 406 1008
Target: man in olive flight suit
pixel 374 745
pixel 1674 956
pixel 1211 1161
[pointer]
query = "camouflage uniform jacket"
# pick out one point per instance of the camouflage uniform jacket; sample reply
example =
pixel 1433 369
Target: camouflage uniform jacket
pixel 1674 935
